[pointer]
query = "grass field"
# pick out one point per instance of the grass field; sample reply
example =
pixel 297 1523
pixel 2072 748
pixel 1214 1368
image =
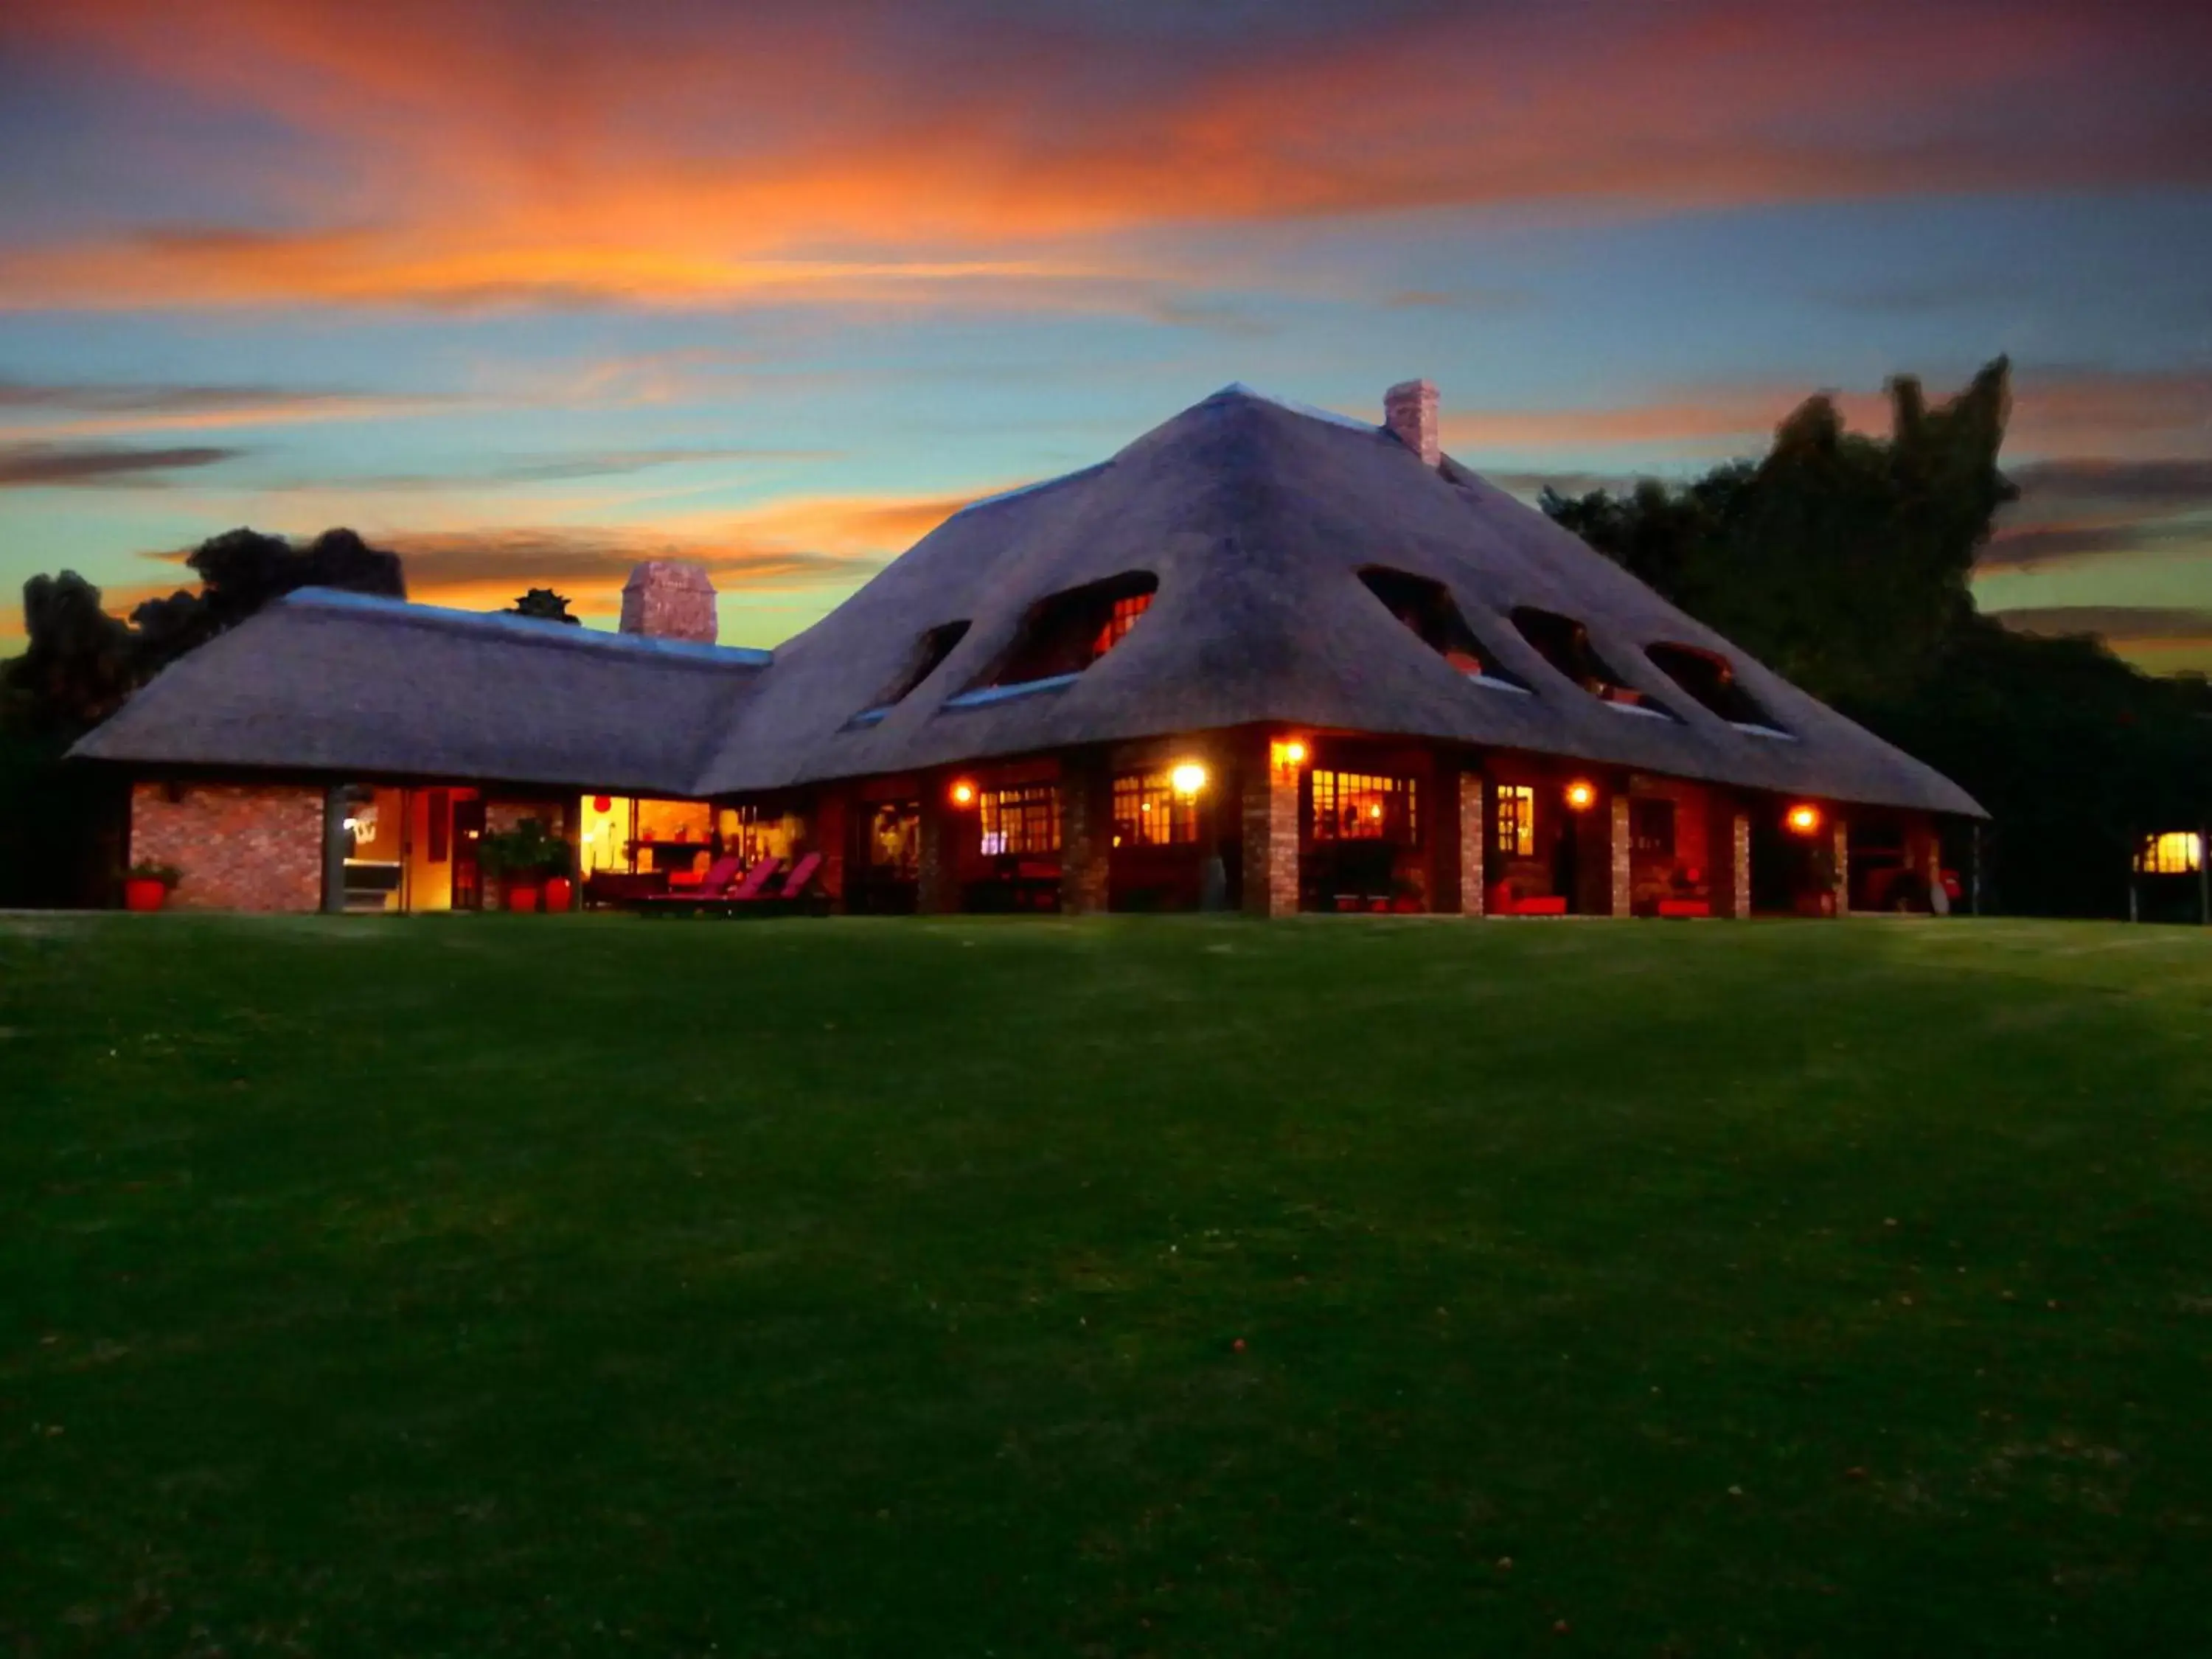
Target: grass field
pixel 520 1285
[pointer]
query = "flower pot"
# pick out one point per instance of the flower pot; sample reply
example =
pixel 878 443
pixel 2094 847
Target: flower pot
pixel 143 893
pixel 520 897
pixel 560 894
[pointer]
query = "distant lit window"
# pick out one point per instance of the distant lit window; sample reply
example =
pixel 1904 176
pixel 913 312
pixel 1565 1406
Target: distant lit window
pixel 1023 818
pixel 1362 806
pixel 2177 852
pixel 1149 812
pixel 1124 618
pixel 1514 824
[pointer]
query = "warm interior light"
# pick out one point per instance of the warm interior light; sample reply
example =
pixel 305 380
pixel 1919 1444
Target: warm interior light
pixel 1189 778
pixel 1581 794
pixel 1804 819
pixel 1375 810
pixel 964 793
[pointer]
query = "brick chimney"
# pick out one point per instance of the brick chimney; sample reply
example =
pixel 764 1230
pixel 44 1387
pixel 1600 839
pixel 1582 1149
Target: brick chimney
pixel 670 600
pixel 1409 409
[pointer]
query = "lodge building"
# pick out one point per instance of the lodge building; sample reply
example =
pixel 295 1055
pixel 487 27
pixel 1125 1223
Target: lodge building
pixel 1265 658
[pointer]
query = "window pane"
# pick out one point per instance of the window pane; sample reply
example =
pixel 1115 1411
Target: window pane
pixel 1516 832
pixel 1148 811
pixel 1364 806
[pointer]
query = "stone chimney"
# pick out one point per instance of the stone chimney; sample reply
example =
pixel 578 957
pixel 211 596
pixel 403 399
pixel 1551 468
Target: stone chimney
pixel 670 600
pixel 1409 409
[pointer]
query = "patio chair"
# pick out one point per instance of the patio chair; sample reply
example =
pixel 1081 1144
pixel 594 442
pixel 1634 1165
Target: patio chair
pixel 792 897
pixel 707 896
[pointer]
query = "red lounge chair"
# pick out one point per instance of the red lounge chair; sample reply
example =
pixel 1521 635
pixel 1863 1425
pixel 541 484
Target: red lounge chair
pixel 719 875
pixel 789 899
pixel 1549 906
pixel 1685 906
pixel 706 897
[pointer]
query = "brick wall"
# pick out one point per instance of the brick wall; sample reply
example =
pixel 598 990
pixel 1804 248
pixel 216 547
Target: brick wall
pixel 241 847
pixel 1620 890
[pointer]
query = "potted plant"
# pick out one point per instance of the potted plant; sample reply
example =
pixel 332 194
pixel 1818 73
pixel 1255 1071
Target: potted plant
pixel 533 863
pixel 146 885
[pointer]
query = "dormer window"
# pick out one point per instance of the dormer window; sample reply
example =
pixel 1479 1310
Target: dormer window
pixel 1711 678
pixel 1427 608
pixel 1565 644
pixel 929 655
pixel 1064 635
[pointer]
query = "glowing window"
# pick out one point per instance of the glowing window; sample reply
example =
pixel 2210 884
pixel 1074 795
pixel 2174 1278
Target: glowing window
pixel 1427 608
pixel 1064 635
pixel 1149 812
pixel 1117 625
pixel 1711 678
pixel 1021 819
pixel 1513 823
pixel 1363 806
pixel 1565 644
pixel 2177 852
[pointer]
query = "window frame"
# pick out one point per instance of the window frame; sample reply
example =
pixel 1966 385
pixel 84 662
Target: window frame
pixel 1392 787
pixel 1037 817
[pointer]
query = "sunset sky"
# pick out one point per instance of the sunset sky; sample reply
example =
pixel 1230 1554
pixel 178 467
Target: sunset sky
pixel 530 290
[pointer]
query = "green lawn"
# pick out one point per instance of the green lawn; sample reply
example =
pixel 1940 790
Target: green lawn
pixel 521 1286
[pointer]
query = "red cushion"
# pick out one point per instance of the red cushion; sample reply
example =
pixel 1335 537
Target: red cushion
pixel 1684 908
pixel 1538 907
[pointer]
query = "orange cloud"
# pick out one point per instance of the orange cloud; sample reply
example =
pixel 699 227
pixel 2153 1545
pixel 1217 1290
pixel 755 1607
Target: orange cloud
pixel 2114 415
pixel 876 153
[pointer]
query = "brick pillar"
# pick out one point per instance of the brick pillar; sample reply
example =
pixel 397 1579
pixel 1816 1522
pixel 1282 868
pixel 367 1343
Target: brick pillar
pixel 1086 832
pixel 1739 893
pixel 1841 833
pixel 937 889
pixel 1619 844
pixel 1270 835
pixel 1474 840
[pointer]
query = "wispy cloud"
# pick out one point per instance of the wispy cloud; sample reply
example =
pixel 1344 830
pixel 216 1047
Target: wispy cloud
pixel 897 153
pixel 48 466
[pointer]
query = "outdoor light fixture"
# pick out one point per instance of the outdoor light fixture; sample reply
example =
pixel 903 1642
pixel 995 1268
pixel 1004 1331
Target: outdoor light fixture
pixel 1189 778
pixel 1288 755
pixel 1804 818
pixel 1580 794
pixel 963 793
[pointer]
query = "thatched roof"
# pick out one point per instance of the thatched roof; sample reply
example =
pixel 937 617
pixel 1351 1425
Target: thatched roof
pixel 1256 519
pixel 343 685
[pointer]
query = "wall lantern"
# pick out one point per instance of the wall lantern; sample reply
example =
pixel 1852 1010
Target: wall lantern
pixel 963 793
pixel 1187 778
pixel 1804 819
pixel 1287 755
pixel 1581 794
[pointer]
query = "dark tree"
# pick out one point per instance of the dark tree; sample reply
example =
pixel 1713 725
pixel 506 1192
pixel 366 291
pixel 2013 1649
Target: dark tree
pixel 546 606
pixel 242 570
pixel 1843 561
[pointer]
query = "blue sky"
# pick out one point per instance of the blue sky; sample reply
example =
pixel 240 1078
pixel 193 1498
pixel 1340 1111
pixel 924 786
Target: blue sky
pixel 528 292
